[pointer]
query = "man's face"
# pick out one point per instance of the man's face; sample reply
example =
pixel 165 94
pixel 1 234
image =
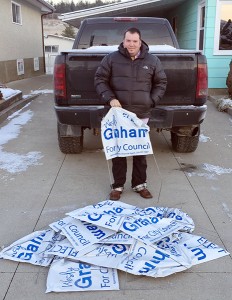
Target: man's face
pixel 132 43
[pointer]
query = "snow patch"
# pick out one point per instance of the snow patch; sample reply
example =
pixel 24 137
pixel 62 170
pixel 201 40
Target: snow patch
pixel 112 48
pixel 38 92
pixel 211 171
pixel 12 129
pixel 216 169
pixel 12 116
pixel 227 210
pixel 46 91
pixel 8 93
pixel 13 162
pixel 16 163
pixel 204 139
pixel 223 104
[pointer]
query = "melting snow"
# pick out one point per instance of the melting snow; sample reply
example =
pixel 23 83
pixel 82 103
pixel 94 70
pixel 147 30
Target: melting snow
pixel 46 91
pixel 211 171
pixel 38 92
pixel 8 93
pixel 223 104
pixel 16 163
pixel 227 210
pixel 204 138
pixel 13 162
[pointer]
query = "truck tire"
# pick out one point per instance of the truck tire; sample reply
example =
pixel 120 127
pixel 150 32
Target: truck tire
pixel 70 145
pixel 184 144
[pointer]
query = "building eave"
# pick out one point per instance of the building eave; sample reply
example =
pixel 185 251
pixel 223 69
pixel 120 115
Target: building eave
pixel 44 6
pixel 128 8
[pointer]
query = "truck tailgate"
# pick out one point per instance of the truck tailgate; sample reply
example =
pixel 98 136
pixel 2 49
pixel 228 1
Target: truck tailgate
pixel 180 68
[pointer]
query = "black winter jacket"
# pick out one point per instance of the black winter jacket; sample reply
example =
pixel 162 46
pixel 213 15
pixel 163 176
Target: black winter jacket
pixel 138 84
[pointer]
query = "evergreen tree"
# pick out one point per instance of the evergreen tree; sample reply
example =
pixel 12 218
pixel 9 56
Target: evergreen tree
pixel 68 31
pixel 64 7
pixel 72 6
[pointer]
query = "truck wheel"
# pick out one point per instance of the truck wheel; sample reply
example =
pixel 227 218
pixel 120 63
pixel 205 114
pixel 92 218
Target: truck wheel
pixel 70 145
pixel 184 144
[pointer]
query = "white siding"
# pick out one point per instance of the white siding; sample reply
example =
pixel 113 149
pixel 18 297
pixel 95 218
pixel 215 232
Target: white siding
pixel 63 44
pixel 20 41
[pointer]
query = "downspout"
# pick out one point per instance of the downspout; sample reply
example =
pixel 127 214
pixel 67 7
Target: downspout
pixel 43 15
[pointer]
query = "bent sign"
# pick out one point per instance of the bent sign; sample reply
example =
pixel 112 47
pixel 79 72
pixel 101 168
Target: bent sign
pixel 123 134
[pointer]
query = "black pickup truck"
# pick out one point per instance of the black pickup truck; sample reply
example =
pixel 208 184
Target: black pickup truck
pixel 78 107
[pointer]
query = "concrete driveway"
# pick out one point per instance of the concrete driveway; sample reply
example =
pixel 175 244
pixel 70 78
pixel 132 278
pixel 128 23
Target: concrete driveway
pixel 39 185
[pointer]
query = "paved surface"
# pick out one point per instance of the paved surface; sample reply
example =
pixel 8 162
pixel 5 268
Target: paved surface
pixel 27 87
pixel 42 193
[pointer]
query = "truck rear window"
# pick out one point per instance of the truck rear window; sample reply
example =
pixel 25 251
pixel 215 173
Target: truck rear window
pixel 108 35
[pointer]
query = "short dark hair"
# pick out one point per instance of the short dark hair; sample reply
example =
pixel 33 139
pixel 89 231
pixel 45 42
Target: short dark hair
pixel 133 30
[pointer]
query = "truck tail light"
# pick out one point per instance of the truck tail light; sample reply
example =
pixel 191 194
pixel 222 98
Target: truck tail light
pixel 59 82
pixel 202 81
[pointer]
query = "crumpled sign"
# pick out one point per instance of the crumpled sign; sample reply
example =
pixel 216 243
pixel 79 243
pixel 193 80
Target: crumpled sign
pixel 86 248
pixel 124 134
pixel 68 276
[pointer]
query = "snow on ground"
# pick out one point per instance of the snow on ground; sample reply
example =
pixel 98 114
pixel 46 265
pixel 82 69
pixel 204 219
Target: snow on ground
pixel 223 104
pixel 38 92
pixel 14 162
pixel 204 139
pixel 210 171
pixel 8 93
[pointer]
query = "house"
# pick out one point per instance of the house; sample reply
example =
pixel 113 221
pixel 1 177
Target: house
pixel 199 24
pixel 21 46
pixel 53 45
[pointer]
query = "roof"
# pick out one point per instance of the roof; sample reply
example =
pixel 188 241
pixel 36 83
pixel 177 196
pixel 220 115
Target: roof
pixel 134 8
pixel 58 37
pixel 44 6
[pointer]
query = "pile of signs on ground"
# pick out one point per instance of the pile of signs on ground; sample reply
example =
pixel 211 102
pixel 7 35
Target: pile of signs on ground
pixel 85 249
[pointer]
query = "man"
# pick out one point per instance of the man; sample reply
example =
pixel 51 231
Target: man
pixel 133 79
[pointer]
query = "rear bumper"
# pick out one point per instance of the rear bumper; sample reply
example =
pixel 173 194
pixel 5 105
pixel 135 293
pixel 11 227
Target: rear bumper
pixel 163 117
pixel 177 116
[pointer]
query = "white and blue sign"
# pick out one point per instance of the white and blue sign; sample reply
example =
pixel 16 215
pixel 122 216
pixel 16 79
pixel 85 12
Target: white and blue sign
pixel 124 134
pixel 86 248
pixel 31 248
pixel 83 234
pixel 68 276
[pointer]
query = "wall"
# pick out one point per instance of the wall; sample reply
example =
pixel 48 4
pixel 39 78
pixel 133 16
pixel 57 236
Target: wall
pixel 53 40
pixel 63 42
pixel 218 65
pixel 187 26
pixel 186 20
pixel 20 41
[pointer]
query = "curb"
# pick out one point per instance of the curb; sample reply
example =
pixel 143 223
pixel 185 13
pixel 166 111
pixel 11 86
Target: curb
pixel 6 103
pixel 12 105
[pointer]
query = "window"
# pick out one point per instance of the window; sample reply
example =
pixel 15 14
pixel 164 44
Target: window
pixel 16 13
pixel 52 49
pixel 223 29
pixel 174 25
pixel 152 34
pixel 201 26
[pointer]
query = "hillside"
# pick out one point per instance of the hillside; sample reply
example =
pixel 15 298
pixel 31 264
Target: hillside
pixel 54 26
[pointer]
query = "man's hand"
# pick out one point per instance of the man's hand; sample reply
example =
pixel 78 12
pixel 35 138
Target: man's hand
pixel 115 103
